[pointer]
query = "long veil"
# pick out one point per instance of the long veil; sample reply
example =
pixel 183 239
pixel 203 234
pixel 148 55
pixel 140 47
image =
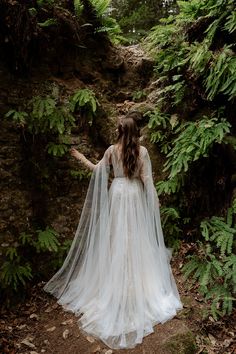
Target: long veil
pixel 117 273
pixel 95 210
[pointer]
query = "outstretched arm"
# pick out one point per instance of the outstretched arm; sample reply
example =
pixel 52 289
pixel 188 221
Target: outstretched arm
pixel 78 156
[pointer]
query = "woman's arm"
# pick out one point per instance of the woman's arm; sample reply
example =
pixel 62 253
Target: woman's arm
pixel 78 156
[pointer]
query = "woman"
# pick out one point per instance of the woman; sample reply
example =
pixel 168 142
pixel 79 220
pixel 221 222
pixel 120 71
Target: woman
pixel 117 274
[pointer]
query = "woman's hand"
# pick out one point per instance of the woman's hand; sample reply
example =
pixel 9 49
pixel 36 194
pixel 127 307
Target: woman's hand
pixel 76 154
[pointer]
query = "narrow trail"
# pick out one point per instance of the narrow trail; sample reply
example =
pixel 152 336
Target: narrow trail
pixel 41 326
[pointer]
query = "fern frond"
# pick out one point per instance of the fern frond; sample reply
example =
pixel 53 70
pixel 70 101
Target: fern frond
pixel 13 274
pixel 47 240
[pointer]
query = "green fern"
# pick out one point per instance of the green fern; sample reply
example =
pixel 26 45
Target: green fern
pixel 86 101
pixel 170 222
pixel 13 274
pixel 214 268
pixel 18 117
pixel 80 174
pixel 199 56
pixel 47 240
pixel 230 24
pixel 222 78
pixel 57 149
pixel 221 233
pixel 162 127
pixel 101 7
pixel 78 7
pixel 194 141
pixel 170 186
pixel 47 23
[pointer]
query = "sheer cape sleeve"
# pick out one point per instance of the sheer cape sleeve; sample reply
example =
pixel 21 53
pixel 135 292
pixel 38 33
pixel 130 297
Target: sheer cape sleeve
pixel 94 210
pixel 154 221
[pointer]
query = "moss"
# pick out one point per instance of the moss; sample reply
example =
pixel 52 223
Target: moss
pixel 182 344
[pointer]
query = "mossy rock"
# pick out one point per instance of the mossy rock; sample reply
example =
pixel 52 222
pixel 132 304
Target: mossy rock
pixel 181 344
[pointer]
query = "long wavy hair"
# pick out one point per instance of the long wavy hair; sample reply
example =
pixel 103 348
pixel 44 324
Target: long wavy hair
pixel 128 137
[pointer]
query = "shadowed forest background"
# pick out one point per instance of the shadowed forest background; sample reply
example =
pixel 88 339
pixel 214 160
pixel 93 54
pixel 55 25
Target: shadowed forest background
pixel 68 71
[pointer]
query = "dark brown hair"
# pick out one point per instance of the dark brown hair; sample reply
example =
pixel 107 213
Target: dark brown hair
pixel 128 137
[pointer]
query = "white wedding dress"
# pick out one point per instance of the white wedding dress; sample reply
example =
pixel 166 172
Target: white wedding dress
pixel 117 275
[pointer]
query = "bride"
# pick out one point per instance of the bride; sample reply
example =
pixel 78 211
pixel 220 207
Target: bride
pixel 117 275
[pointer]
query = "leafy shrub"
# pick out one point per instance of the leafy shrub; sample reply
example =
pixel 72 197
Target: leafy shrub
pixel 170 222
pixel 19 265
pixel 85 101
pixel 194 140
pixel 80 174
pixel 183 144
pixel 214 267
pixel 54 120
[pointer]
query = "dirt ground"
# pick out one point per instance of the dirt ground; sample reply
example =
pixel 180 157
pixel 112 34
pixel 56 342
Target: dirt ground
pixel 40 325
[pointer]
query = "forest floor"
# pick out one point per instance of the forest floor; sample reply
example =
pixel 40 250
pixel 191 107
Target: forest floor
pixel 40 325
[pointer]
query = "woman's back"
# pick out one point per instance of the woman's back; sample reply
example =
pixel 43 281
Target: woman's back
pixel 117 163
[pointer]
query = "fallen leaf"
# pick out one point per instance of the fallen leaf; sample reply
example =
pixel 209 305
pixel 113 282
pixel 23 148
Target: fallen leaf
pixel 48 309
pixel 21 326
pixel 33 315
pixel 65 334
pixel 96 349
pixel 212 339
pixel 51 329
pixel 90 339
pixel 28 343
pixel 67 322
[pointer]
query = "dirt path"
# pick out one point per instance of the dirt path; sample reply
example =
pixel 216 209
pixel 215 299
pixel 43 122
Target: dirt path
pixel 40 325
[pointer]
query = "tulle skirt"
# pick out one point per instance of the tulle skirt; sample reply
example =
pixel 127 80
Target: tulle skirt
pixel 125 284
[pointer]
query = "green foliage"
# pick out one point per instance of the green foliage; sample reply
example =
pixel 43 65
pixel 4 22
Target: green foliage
pixel 42 3
pixel 19 266
pixel 183 143
pixel 17 116
pixel 194 140
pixel 47 240
pixel 199 56
pixel 163 128
pixel 57 149
pixel 139 95
pixel 47 116
pixel 80 174
pixel 101 7
pixel 216 68
pixel 78 7
pixel 222 74
pixel 170 186
pixel 53 119
pixel 170 222
pixel 137 17
pixel 84 101
pixel 48 22
pixel 109 24
pixel 214 268
pixel 44 115
pixel 13 274
pixel 230 24
pixel 112 28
